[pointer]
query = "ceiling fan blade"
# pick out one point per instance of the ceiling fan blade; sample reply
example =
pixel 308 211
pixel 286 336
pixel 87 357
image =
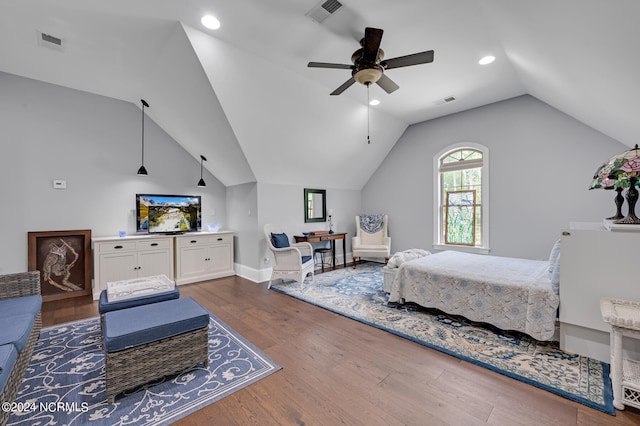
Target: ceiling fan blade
pixel 372 39
pixel 344 86
pixel 387 84
pixel 405 61
pixel 329 65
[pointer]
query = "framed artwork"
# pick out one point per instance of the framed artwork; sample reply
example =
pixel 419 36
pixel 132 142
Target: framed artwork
pixel 460 218
pixel 64 261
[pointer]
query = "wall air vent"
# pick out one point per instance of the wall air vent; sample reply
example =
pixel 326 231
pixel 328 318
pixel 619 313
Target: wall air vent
pixel 50 41
pixel 323 10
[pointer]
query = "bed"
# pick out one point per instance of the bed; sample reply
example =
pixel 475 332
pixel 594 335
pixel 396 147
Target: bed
pixel 509 293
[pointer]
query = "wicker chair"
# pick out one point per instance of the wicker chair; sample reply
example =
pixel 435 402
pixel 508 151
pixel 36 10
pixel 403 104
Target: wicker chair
pixel 19 285
pixel 294 262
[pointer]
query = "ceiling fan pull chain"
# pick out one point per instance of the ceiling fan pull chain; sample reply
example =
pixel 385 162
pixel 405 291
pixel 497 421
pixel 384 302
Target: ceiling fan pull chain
pixel 368 115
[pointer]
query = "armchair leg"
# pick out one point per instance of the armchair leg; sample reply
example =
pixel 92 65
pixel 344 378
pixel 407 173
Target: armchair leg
pixel 355 262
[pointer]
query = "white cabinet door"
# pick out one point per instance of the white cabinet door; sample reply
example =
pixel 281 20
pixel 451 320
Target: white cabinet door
pixel 155 263
pixel 192 261
pixel 220 258
pixel 116 266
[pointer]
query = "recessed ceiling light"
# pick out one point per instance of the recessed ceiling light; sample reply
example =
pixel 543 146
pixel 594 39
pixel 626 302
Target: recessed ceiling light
pixel 487 60
pixel 210 22
pixel 374 102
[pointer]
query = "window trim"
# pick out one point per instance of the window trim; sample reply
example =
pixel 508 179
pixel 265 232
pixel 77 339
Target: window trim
pixel 438 244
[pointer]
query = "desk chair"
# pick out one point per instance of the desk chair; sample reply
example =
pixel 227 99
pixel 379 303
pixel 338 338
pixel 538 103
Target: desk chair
pixel 322 251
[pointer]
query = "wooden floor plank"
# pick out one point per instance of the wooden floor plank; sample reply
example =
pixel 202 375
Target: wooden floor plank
pixel 340 371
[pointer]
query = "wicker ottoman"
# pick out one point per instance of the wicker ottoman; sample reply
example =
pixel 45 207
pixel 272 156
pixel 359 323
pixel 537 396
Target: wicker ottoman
pixel 148 342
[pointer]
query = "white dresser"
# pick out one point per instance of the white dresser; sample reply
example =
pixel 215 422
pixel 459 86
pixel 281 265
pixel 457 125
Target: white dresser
pixel 596 263
pixel 186 258
pixel 203 256
pixel 118 259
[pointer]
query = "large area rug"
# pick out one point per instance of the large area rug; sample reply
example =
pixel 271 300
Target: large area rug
pixel 358 294
pixel 64 383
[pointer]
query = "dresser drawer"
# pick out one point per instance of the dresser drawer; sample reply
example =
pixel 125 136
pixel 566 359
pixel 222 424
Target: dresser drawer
pixel 154 244
pixel 115 246
pixel 220 239
pixel 191 241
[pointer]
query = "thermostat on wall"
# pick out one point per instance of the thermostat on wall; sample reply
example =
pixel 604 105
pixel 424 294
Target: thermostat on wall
pixel 60 184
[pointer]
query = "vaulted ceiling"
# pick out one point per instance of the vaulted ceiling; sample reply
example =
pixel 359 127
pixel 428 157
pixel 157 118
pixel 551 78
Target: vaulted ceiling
pixel 244 97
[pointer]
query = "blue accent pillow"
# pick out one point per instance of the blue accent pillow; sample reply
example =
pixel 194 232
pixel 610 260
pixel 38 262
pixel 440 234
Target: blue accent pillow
pixel 279 240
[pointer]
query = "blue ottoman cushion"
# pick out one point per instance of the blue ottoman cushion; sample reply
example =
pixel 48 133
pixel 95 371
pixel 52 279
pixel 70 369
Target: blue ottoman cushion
pixel 18 332
pixel 8 356
pixel 105 306
pixel 144 324
pixel 20 305
pixel 305 259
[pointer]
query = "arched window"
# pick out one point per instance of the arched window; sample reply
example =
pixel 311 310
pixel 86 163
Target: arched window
pixel 462 196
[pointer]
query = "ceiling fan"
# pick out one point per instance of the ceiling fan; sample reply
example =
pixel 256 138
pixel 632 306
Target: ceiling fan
pixel 369 63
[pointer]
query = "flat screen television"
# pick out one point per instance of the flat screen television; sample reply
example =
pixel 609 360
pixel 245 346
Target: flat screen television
pixel 168 214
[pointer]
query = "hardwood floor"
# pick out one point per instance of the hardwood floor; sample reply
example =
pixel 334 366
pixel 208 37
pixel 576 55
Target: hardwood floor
pixel 340 371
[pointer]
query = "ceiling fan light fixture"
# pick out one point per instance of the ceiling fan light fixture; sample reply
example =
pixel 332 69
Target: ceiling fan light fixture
pixel 210 21
pixel 368 76
pixel 486 60
pixel 374 102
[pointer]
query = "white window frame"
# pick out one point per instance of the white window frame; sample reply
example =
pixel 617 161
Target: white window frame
pixel 438 242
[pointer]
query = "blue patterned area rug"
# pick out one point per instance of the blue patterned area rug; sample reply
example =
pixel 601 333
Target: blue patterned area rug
pixel 64 383
pixel 358 294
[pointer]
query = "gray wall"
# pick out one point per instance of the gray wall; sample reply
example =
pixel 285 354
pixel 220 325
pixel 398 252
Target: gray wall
pixel 49 132
pixel 242 205
pixel 252 205
pixel 284 205
pixel 541 164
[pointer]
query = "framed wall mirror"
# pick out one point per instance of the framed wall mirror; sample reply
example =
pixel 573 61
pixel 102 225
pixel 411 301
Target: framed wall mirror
pixel 315 205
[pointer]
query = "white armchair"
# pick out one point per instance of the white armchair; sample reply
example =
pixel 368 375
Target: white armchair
pixel 294 261
pixel 371 238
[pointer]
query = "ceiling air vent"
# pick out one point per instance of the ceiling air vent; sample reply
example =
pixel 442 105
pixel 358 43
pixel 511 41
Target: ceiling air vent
pixel 323 10
pixel 50 41
pixel 445 100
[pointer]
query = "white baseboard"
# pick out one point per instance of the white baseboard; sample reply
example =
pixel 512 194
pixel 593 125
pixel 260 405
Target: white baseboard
pixel 252 274
pixel 262 275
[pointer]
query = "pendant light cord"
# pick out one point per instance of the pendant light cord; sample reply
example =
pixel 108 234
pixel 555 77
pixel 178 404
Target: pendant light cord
pixel 143 131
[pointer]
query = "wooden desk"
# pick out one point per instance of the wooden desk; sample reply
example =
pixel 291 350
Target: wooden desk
pixel 327 237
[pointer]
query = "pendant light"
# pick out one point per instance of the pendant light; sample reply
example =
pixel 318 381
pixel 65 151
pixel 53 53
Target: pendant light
pixel 142 170
pixel 201 181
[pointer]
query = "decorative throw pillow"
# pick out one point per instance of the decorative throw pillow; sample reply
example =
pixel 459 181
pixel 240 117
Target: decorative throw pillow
pixel 279 240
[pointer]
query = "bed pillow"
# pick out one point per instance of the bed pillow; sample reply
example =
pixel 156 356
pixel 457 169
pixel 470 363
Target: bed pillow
pixel 279 240
pixel 554 255
pixel 555 276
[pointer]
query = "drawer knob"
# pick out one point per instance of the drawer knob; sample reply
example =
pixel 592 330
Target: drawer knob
pixel 219 239
pixel 154 244
pixel 193 241
pixel 117 247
